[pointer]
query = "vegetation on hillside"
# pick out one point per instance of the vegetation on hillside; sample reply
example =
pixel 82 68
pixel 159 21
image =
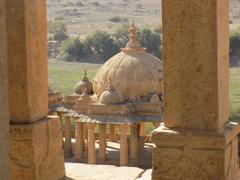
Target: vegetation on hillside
pixel 101 44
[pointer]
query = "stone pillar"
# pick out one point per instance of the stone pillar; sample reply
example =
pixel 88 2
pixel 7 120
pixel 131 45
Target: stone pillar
pixel 142 129
pixel 134 144
pixel 102 142
pixel 85 138
pixel 196 140
pixel 112 135
pixel 79 146
pixel 91 144
pixel 4 118
pixel 123 145
pixel 68 137
pixel 36 140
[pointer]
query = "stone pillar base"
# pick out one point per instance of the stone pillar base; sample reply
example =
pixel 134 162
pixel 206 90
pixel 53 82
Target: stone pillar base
pixel 37 151
pixel 193 154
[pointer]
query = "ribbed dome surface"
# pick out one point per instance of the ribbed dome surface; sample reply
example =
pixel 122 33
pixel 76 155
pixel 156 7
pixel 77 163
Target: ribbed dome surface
pixel 133 74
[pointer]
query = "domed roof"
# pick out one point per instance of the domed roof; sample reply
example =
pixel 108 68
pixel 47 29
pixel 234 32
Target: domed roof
pixel 134 72
pixel 84 96
pixel 84 83
pixel 155 98
pixel 110 95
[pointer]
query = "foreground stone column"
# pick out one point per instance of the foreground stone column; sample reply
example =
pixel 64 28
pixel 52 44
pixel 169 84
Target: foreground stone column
pixel 68 137
pixel 123 145
pixel 102 142
pixel 134 144
pixel 4 118
pixel 196 140
pixel 36 140
pixel 91 144
pixel 79 146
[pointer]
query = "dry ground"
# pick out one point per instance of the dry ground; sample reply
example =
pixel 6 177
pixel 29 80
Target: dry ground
pixel 94 14
pixel 86 16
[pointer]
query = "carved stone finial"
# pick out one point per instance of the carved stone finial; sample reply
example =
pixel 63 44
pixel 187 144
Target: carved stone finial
pixel 85 78
pixel 133 32
pixel 133 44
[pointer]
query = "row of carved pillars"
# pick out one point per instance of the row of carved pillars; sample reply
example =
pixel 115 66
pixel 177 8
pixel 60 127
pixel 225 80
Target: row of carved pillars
pixel 86 131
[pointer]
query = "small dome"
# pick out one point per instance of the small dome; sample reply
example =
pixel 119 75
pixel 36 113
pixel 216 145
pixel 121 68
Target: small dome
pixel 84 83
pixel 134 72
pixel 84 96
pixel 155 98
pixel 110 96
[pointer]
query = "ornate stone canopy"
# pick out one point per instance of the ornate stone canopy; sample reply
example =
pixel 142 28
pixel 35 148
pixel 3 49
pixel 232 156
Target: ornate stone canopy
pixel 134 72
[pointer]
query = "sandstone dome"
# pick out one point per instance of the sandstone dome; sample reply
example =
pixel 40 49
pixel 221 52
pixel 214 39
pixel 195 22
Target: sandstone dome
pixel 133 72
pixel 84 83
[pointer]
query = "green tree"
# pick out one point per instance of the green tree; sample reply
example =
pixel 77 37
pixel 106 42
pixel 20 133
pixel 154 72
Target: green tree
pixel 235 47
pixel 150 40
pixel 101 43
pixel 121 35
pixel 235 42
pixel 72 49
pixel 60 36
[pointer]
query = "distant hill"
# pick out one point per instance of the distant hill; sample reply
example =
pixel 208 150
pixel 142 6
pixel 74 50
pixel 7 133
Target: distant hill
pixel 235 11
pixel 86 16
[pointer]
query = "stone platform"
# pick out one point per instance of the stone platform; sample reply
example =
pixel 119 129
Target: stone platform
pixel 110 169
pixel 81 171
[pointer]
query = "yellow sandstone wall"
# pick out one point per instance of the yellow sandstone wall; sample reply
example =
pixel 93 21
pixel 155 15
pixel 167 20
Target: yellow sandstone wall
pixel 4 119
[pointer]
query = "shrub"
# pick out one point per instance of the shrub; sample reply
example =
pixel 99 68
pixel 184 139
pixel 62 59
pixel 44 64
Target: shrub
pixel 56 26
pixel 79 3
pixel 60 36
pixel 121 35
pixel 59 29
pixel 95 3
pixel 115 19
pixel 150 40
